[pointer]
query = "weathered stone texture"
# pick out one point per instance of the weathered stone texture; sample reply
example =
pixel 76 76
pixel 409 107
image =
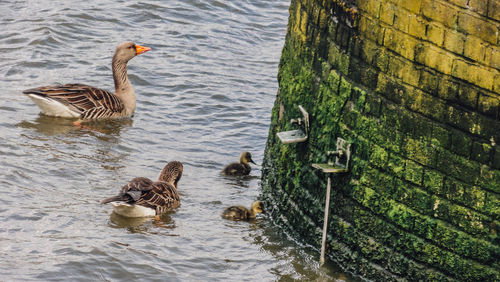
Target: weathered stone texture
pixel 415 86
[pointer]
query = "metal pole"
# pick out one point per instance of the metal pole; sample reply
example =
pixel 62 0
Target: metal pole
pixel 325 224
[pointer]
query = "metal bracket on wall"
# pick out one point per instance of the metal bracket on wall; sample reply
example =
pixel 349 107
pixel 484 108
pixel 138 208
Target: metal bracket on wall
pixel 342 157
pixel 299 135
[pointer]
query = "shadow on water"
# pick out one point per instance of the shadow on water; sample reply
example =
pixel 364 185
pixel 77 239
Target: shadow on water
pixel 141 224
pixel 50 126
pixel 239 181
pixel 304 259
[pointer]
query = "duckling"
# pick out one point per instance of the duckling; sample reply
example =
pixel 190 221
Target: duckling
pixel 242 213
pixel 241 168
pixel 142 197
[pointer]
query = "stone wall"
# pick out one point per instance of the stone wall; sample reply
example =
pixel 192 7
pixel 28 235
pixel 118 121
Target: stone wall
pixel 415 87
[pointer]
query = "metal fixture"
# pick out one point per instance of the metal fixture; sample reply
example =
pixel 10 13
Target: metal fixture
pixel 342 157
pixel 299 135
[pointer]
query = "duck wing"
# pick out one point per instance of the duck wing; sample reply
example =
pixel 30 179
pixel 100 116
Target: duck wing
pixel 90 102
pixel 236 169
pixel 133 191
pixel 162 197
pixel 235 212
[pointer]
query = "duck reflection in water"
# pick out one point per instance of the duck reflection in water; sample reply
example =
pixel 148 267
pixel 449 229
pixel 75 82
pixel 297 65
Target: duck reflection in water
pixel 141 224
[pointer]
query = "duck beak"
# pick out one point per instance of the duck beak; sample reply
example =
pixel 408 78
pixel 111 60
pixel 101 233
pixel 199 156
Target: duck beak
pixel 250 160
pixel 141 49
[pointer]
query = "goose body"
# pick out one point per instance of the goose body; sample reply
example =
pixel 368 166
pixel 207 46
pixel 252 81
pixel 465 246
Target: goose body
pixel 240 168
pixel 142 197
pixel 88 102
pixel 242 213
pixel 128 210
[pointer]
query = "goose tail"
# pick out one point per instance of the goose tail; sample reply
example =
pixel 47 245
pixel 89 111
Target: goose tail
pixel 119 198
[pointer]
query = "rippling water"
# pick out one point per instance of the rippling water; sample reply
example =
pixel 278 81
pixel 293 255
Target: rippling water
pixel 204 94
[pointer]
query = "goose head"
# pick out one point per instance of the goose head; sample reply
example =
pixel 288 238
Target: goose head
pixel 127 50
pixel 246 157
pixel 171 173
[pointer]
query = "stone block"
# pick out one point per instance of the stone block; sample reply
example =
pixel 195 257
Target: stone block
pixel 478 6
pixel 448 89
pixel 417 26
pixel 414 172
pixel 382 58
pixel 441 137
pixel 400 43
pixel 371 7
pixel 467 96
pixel 494 10
pixel 481 152
pixel 478 27
pixel 473 73
pixel 429 81
pixel 475 49
pixel 496 83
pixel 489 178
pixel 378 156
pixel 420 151
pixel 433 181
pixel 460 143
pixel 396 165
pixel 465 120
pixel 371 29
pixel 434 58
pixel 387 11
pixel 496 158
pixel 495 57
pixel 368 51
pixel 389 88
pixel 460 3
pixel 489 105
pixel 402 19
pixel 435 33
pixel 487 127
pixel 413 6
pixel 440 11
pixel 404 70
pixel 454 41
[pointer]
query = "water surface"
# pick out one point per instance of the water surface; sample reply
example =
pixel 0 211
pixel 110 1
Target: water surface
pixel 204 94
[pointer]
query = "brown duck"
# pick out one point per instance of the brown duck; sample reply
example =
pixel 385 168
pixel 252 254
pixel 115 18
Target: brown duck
pixel 242 213
pixel 87 102
pixel 142 197
pixel 241 168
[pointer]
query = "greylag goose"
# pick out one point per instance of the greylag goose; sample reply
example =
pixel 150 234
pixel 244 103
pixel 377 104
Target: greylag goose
pixel 242 213
pixel 142 197
pixel 87 102
pixel 241 168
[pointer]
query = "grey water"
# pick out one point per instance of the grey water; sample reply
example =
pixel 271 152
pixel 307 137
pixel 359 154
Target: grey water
pixel 204 94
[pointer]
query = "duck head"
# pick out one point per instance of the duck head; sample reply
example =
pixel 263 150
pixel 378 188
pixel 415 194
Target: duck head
pixel 257 207
pixel 171 173
pixel 246 158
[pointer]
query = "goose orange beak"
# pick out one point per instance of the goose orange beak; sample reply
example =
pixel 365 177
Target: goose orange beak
pixel 141 49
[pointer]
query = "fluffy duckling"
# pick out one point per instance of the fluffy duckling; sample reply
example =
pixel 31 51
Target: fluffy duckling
pixel 242 213
pixel 241 168
pixel 142 197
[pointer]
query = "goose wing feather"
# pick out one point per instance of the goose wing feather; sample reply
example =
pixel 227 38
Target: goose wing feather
pixel 92 101
pixel 162 197
pixel 132 191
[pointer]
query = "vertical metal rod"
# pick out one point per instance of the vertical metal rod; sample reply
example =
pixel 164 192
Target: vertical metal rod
pixel 325 224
